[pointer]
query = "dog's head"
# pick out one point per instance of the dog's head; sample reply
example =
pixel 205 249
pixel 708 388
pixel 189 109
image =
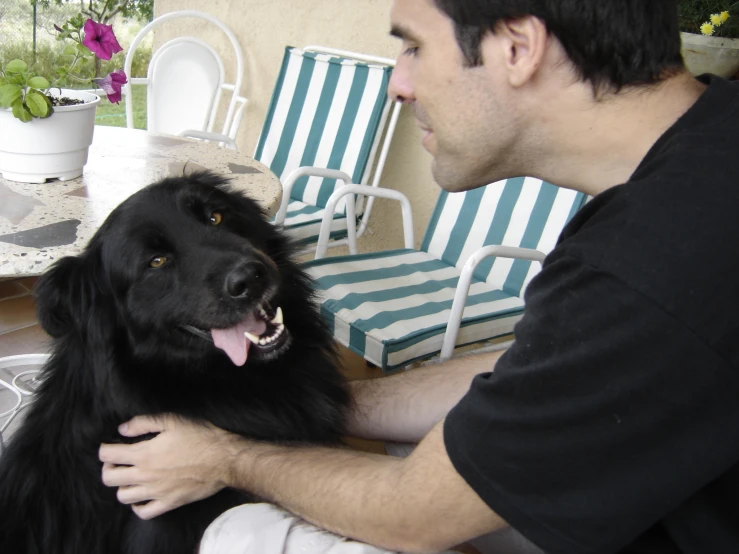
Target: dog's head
pixel 182 268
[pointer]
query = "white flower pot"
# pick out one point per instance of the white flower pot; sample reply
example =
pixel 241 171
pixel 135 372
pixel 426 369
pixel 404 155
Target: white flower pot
pixel 51 148
pixel 708 54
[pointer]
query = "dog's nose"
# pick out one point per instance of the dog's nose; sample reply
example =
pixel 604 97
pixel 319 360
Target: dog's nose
pixel 247 279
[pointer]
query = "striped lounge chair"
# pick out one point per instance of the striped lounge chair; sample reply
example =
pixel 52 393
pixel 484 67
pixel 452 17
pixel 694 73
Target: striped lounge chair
pixel 473 266
pixel 328 124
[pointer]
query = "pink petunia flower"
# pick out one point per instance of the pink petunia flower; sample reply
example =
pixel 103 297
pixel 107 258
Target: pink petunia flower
pixel 112 84
pixel 100 39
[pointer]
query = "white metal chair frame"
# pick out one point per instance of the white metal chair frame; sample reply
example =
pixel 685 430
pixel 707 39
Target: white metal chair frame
pixel 465 279
pixel 384 135
pixel 237 103
pixel 18 391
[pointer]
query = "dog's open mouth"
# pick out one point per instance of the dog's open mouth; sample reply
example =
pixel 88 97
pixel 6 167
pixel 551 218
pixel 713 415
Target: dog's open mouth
pixel 263 330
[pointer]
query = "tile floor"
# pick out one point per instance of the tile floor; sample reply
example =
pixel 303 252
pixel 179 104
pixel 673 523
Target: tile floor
pixel 20 333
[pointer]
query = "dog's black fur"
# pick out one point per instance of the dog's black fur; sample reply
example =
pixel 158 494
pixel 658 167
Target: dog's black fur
pixel 121 350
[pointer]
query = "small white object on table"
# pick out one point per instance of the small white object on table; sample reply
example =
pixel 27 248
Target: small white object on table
pixel 40 223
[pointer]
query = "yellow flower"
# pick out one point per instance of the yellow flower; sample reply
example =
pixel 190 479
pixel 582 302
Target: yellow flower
pixel 724 17
pixel 707 28
pixel 716 19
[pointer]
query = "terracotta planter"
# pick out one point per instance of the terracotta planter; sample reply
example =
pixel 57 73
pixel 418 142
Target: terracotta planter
pixel 707 54
pixel 51 148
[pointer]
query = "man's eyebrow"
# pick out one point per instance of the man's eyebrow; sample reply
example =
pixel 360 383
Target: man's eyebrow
pixel 403 33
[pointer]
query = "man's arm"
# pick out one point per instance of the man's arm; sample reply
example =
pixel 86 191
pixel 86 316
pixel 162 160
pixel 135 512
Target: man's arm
pixel 406 406
pixel 413 504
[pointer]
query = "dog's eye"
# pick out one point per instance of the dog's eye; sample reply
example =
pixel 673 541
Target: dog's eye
pixel 216 218
pixel 158 261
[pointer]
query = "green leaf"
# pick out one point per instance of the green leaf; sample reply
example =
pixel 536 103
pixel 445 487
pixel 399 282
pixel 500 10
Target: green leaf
pixel 9 94
pixel 82 49
pixel 69 50
pixel 37 104
pixel 17 79
pixel 16 66
pixel 38 82
pixel 21 112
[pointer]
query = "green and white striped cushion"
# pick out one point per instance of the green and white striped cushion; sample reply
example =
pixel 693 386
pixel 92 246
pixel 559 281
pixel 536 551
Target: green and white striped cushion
pixel 304 222
pixel 325 112
pixel 393 307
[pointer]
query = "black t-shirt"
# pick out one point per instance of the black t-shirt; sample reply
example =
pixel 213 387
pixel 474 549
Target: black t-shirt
pixel 612 423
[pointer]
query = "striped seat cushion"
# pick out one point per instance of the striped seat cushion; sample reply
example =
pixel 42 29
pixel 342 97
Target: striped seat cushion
pixel 325 112
pixel 393 307
pixel 303 222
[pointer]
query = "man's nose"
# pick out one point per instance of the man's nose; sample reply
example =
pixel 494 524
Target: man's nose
pixel 400 88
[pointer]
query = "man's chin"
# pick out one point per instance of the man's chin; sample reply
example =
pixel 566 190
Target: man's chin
pixel 452 179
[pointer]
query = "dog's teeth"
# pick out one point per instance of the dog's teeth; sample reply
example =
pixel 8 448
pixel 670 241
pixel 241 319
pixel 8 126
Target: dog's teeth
pixel 277 320
pixel 252 338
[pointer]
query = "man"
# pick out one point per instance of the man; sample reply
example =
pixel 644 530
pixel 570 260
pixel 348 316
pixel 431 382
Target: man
pixel 612 424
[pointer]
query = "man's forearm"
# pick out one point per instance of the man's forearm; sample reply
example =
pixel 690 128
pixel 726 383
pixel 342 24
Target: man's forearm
pixel 406 406
pixel 414 504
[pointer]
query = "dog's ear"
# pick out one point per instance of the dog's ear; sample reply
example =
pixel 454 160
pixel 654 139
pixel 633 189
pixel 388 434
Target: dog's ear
pixel 63 295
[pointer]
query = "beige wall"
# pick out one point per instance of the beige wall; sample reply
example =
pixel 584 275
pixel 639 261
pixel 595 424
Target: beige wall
pixel 264 28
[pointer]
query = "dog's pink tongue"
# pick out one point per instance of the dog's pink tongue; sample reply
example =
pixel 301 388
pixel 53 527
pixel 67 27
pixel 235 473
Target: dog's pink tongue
pixel 232 340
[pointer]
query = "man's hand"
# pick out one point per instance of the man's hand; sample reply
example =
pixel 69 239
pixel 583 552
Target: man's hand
pixel 185 462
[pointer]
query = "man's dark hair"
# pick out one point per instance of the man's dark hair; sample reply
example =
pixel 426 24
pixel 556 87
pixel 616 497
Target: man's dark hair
pixel 611 43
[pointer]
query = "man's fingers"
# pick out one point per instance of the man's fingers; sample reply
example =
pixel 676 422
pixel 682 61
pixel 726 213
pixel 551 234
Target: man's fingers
pixel 151 509
pixel 140 425
pixel 120 476
pixel 133 495
pixel 118 454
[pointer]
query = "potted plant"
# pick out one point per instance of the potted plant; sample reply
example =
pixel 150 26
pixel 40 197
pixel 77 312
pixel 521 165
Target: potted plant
pixel 709 34
pixel 47 129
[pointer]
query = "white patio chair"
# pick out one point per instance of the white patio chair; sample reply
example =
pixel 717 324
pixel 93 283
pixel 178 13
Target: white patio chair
pixel 465 284
pixel 329 123
pixel 185 82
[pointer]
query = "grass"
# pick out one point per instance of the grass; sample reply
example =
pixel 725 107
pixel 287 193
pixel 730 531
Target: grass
pixel 693 13
pixel 114 115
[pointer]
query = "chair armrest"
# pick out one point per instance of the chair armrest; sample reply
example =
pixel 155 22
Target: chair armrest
pixel 205 135
pixel 305 171
pixel 365 190
pixel 465 280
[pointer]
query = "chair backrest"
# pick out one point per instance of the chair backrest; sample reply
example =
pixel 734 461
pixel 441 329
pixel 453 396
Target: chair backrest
pixel 327 110
pixel 523 212
pixel 183 64
pixel 186 80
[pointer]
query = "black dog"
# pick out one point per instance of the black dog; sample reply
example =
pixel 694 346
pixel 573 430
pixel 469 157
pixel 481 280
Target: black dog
pixel 151 318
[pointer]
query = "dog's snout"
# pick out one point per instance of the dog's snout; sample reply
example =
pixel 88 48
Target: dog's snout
pixel 247 279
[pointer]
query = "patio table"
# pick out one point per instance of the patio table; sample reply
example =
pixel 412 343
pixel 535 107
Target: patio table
pixel 40 223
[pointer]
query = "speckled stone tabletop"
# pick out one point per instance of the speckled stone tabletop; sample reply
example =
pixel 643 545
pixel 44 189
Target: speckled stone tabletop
pixel 42 223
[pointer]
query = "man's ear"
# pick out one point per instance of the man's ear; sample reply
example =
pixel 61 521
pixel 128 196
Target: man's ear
pixel 63 295
pixel 524 42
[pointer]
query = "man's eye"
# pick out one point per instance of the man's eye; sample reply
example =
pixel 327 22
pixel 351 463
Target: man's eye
pixel 215 218
pixel 410 51
pixel 158 261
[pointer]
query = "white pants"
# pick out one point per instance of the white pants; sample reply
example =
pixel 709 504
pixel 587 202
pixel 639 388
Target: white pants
pixel 267 529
